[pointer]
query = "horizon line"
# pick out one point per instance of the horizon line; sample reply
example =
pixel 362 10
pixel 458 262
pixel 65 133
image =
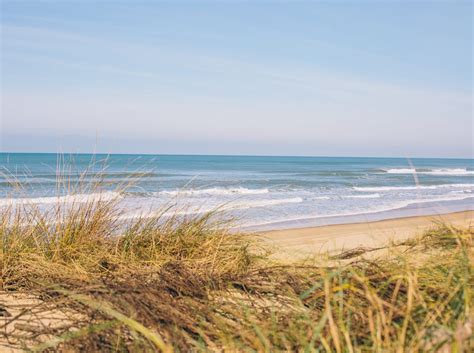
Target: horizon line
pixel 229 155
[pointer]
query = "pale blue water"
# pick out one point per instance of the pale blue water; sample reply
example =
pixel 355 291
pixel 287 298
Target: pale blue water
pixel 264 192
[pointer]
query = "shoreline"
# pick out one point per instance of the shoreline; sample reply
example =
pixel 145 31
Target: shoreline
pixel 309 241
pixel 415 209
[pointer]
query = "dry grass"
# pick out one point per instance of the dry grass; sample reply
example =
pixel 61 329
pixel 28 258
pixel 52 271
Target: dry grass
pixel 189 284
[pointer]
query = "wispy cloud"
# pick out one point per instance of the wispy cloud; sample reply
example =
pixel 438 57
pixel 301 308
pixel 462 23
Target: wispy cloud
pixel 156 87
pixel 52 47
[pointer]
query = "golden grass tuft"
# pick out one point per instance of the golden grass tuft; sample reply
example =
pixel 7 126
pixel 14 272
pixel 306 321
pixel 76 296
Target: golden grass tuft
pixel 191 284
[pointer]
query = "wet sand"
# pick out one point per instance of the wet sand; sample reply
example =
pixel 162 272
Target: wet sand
pixel 305 242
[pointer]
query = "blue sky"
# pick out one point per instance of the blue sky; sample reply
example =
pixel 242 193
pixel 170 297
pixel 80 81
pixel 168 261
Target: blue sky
pixel 288 78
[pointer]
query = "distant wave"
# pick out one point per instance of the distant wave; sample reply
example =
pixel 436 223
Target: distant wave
pixel 459 171
pixel 393 188
pixel 440 171
pixel 368 196
pixel 400 171
pixel 78 198
pixel 213 191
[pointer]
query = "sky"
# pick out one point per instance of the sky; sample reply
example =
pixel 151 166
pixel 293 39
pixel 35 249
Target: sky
pixel 365 78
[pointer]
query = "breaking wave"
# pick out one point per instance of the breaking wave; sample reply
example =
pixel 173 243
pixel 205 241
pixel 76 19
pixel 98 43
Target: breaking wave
pixel 213 191
pixel 440 171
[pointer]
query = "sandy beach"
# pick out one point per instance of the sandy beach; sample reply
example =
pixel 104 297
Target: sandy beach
pixel 305 242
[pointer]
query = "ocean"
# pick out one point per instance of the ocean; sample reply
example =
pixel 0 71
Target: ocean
pixel 260 192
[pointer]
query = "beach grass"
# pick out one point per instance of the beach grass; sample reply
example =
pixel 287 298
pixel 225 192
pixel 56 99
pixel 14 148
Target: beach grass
pixel 191 283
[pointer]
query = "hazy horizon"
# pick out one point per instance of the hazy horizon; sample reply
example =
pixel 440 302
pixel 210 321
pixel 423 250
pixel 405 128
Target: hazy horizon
pixel 94 153
pixel 285 79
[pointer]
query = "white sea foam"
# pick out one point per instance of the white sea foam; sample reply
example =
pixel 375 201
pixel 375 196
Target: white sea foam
pixel 401 171
pixel 231 206
pixel 264 203
pixel 456 171
pixel 367 196
pixel 76 198
pixel 440 171
pixel 243 205
pixel 213 191
pixel 415 187
pixel 462 192
pixel 393 207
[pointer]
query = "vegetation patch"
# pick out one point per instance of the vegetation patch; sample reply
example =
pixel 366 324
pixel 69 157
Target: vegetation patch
pixel 70 283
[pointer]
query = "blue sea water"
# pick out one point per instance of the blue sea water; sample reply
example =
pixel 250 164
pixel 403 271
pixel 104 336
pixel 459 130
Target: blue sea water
pixel 263 192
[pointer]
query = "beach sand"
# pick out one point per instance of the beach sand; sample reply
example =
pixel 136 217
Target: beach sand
pixel 306 242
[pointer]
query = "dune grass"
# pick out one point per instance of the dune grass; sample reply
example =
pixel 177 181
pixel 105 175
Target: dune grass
pixel 191 284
